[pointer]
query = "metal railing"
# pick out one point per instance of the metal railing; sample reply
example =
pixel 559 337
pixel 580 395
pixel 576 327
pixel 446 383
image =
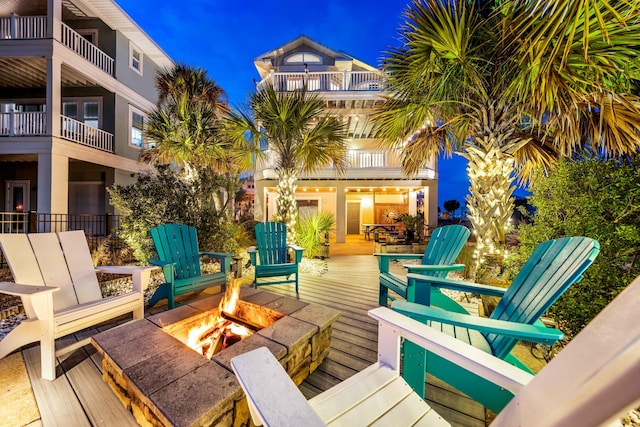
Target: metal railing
pixel 97 228
pixel 23 27
pixel 86 49
pixel 326 81
pixel 84 134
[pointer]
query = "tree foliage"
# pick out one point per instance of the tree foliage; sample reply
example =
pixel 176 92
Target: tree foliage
pixel 161 197
pixel 451 206
pixel 511 86
pixel 598 199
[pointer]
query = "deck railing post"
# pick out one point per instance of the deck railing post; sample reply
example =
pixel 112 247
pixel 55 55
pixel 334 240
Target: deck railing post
pixel 33 222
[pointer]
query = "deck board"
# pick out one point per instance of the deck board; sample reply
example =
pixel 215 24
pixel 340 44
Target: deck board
pixel 79 397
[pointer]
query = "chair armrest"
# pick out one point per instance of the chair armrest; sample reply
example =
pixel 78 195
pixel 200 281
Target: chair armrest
pixel 384 259
pixel 467 357
pixel 427 268
pixel 225 259
pixel 298 250
pixel 19 290
pixel 522 331
pixel 140 274
pixel 456 285
pixel 168 268
pixel 273 398
pixel 252 251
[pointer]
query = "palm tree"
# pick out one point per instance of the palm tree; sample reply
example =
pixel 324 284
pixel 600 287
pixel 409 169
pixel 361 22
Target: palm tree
pixel 511 86
pixel 301 137
pixel 185 129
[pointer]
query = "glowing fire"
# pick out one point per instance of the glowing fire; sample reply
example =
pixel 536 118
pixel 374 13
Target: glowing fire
pixel 215 332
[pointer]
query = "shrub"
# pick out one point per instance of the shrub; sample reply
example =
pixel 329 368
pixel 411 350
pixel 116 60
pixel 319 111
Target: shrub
pixel 161 197
pixel 594 198
pixel 312 232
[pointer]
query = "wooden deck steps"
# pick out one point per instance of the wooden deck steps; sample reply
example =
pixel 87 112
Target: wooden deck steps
pixel 80 397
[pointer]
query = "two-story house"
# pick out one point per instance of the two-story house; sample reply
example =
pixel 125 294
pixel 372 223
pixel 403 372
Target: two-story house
pixel 75 79
pixel 373 190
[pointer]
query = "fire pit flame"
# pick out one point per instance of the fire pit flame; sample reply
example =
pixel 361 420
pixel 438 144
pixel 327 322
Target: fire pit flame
pixel 215 333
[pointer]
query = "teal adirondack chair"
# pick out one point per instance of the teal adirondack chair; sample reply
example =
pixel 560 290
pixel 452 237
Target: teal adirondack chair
pixel 271 257
pixel 179 256
pixel 438 259
pixel 552 267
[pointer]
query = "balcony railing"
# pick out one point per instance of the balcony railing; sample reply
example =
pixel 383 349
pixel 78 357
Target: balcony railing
pixel 326 81
pixel 23 27
pixel 35 123
pixel 23 124
pixel 90 136
pixel 87 50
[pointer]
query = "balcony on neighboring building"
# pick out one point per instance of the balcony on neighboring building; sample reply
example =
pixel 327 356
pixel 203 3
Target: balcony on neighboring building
pixel 34 124
pixel 325 81
pixel 35 27
pixel 361 164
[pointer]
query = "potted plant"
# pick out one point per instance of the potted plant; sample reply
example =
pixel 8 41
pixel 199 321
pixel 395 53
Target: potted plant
pixel 411 224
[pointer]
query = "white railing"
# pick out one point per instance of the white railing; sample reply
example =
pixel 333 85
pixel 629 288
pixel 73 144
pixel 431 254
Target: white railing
pixel 87 50
pixel 22 124
pixel 326 81
pixel 81 133
pixel 356 159
pixel 23 27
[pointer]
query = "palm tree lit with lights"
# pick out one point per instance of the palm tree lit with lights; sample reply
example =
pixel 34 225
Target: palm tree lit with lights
pixel 300 135
pixel 511 86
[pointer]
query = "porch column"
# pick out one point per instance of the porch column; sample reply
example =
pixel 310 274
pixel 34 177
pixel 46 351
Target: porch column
pixel 54 96
pixel 259 200
pixel 341 212
pixel 54 18
pixel 431 204
pixel 53 183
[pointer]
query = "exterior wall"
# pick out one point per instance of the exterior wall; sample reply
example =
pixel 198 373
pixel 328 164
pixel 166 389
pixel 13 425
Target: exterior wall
pixel 142 84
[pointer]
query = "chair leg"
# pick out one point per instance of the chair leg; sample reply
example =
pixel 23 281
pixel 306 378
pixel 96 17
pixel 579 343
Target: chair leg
pixel 383 296
pixel 414 363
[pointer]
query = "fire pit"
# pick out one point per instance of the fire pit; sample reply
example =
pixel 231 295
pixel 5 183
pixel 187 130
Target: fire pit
pixel 164 382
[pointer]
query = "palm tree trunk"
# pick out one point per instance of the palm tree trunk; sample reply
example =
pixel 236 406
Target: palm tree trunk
pixel 490 204
pixel 287 208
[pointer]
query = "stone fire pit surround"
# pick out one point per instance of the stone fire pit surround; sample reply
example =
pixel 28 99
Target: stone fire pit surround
pixel 165 383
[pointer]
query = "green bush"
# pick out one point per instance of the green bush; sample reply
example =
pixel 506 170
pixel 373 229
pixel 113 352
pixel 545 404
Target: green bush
pixel 593 198
pixel 312 232
pixel 163 197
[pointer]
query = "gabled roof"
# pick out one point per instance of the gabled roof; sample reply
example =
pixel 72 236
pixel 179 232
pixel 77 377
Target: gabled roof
pixel 263 62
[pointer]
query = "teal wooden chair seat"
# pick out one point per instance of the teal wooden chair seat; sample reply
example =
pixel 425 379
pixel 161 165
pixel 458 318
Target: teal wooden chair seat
pixel 271 257
pixel 438 260
pixel 179 256
pixel 550 270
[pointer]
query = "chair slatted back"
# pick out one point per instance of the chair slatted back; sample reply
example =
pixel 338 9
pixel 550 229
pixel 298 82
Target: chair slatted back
pixel 444 246
pixel 271 238
pixel 178 243
pixel 83 273
pixel 550 270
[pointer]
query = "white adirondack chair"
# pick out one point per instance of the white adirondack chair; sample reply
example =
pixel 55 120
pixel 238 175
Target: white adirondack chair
pixel 592 381
pixel 55 277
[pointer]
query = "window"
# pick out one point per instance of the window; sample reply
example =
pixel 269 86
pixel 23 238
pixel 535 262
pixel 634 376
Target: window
pixel 135 58
pixel 303 58
pixel 136 127
pixel 89 34
pixel 85 110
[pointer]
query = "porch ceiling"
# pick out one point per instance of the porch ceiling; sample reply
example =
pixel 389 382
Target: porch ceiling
pixel 31 72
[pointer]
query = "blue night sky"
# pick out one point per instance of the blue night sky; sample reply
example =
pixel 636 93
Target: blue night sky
pixel 224 37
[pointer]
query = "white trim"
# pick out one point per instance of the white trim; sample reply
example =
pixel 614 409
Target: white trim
pixel 132 110
pixel 133 48
pixel 89 31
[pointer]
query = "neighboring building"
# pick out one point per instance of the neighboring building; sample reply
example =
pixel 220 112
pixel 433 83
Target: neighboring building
pixel 75 79
pixel 373 187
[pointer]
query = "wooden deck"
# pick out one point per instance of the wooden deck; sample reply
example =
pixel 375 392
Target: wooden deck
pixel 79 397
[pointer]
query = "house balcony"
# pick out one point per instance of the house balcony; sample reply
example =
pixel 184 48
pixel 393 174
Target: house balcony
pixel 18 124
pixel 326 81
pixel 361 164
pixel 35 27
